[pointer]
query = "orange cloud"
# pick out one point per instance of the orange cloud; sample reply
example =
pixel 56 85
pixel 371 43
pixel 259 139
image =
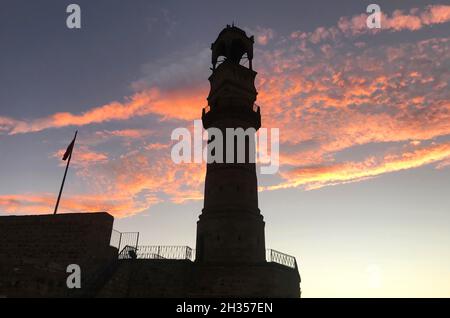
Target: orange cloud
pixel 6 123
pixel 436 14
pixel 399 20
pixel 264 35
pixel 314 177
pixel 44 204
pixel 139 173
pixel 183 105
pixel 126 133
pixel 374 100
pixel 156 146
pixel 83 156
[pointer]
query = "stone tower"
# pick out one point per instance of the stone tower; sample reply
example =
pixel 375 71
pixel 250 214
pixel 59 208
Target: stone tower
pixel 231 228
pixel 230 253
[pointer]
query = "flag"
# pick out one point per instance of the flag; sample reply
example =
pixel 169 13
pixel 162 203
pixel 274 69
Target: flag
pixel 70 148
pixel 67 154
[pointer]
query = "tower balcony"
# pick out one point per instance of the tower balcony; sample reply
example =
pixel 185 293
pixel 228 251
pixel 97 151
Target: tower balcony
pixel 251 116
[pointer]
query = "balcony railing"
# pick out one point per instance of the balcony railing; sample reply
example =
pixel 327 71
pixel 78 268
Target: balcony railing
pixel 120 240
pixel 158 252
pixel 207 108
pixel 280 258
pixel 187 253
pixel 251 115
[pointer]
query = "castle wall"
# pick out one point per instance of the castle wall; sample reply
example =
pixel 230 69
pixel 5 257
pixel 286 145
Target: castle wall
pixel 149 278
pixel 265 280
pixel 182 278
pixel 35 250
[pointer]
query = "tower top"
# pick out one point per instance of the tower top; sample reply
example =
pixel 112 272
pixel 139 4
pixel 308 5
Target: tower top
pixel 232 43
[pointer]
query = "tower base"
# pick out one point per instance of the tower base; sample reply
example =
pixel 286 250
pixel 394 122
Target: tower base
pixel 185 279
pixel 265 280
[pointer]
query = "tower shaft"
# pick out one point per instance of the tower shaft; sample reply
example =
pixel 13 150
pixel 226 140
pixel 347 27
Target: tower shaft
pixel 231 227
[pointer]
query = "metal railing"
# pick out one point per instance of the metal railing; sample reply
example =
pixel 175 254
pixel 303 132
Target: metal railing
pixel 115 238
pixel 280 258
pixel 158 252
pixel 120 240
pixel 187 253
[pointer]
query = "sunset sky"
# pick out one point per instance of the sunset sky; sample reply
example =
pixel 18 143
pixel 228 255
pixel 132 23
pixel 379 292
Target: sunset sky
pixel 362 197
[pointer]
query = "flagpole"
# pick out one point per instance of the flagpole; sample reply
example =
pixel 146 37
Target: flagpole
pixel 64 179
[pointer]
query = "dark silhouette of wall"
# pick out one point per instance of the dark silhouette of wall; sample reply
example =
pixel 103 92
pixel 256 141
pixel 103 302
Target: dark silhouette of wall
pixel 183 278
pixel 36 250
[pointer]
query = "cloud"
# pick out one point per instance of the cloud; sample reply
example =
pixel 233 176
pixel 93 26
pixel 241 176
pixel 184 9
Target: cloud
pixel 264 35
pixel 176 104
pixel 153 172
pixel 166 88
pixel 329 95
pixel 125 133
pixel 443 164
pixel 137 104
pixel 314 177
pixel 162 21
pixel 6 123
pixel 44 203
pixel 379 86
pixel 176 71
pixel 156 146
pixel 84 156
pixel 399 20
pixel 123 186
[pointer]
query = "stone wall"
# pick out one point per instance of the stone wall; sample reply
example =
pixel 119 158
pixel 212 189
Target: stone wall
pixel 149 278
pixel 259 280
pixel 185 279
pixel 35 250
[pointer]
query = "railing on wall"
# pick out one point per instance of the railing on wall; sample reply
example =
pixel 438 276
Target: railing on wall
pixel 120 240
pixel 187 253
pixel 115 238
pixel 280 258
pixel 158 252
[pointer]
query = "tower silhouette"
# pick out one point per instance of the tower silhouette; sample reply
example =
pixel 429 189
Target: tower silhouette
pixel 231 257
pixel 231 227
